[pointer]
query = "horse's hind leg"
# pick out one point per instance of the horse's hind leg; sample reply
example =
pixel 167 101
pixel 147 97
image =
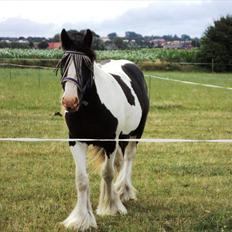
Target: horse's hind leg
pixel 109 202
pixel 123 183
pixel 81 217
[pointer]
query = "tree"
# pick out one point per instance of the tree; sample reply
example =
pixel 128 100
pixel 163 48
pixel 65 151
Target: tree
pixel 98 44
pixel 185 37
pixel 175 37
pixel 169 37
pixel 196 42
pixel 130 35
pixel 112 35
pixel 216 44
pixel 119 43
pixel 43 45
pixel 56 38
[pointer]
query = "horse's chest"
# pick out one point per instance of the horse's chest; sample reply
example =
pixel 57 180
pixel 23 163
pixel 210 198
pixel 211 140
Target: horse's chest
pixel 92 122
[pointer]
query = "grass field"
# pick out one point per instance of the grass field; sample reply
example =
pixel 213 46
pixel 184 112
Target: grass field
pixel 182 186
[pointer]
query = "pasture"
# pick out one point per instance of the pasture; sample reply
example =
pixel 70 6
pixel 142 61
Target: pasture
pixel 181 186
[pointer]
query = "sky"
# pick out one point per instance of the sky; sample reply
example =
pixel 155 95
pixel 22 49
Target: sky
pixel 148 17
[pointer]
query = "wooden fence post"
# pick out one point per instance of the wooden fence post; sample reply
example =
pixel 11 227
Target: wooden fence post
pixel 10 73
pixel 149 89
pixel 212 66
pixel 39 76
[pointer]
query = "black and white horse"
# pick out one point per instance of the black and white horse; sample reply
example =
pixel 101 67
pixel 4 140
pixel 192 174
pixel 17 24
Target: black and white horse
pixel 102 101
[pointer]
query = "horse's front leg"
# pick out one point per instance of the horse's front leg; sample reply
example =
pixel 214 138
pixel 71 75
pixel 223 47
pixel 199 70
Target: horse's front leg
pixel 109 202
pixel 82 215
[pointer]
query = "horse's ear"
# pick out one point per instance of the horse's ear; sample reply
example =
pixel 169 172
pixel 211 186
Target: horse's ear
pixel 65 40
pixel 88 38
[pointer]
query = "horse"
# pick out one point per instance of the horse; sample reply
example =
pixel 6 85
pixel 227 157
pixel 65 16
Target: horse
pixel 106 100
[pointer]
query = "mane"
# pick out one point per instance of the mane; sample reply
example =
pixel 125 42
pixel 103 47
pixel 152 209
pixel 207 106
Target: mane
pixel 77 38
pixel 79 59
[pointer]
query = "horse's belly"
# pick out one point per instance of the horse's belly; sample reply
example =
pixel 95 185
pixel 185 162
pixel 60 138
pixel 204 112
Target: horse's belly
pixel 130 120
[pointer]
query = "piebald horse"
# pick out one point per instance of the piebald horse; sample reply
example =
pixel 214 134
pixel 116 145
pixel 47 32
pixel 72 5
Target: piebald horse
pixel 102 101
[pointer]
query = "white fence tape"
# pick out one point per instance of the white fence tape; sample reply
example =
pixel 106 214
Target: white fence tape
pixel 152 76
pixel 188 82
pixel 26 66
pixel 145 140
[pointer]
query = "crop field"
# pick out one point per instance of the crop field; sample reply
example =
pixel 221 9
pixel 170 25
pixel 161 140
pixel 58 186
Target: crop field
pixel 181 186
pixel 133 55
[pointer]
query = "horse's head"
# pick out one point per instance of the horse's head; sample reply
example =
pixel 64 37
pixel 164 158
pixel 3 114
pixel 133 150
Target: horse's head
pixel 76 67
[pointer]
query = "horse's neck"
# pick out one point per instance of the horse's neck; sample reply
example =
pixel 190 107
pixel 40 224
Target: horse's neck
pixel 98 76
pixel 98 72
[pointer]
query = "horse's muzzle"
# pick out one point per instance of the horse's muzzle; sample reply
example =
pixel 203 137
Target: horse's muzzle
pixel 70 103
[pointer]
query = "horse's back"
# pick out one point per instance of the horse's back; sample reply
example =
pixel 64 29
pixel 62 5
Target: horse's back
pixel 132 71
pixel 128 70
pixel 137 81
pixel 133 76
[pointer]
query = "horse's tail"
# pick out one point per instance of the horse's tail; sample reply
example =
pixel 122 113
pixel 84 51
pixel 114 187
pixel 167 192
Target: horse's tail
pixel 97 157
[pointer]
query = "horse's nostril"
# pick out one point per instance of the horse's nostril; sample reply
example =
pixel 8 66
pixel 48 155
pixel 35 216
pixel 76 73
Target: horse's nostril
pixel 76 101
pixel 70 103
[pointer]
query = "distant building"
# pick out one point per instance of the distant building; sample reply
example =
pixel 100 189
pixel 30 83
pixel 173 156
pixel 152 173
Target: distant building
pixel 158 43
pixel 105 39
pixel 187 44
pixel 35 45
pixel 54 45
pixel 6 41
pixel 178 44
pixel 22 41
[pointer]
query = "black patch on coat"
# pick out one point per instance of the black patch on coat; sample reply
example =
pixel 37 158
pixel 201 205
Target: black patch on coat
pixel 123 144
pixel 93 121
pixel 140 88
pixel 130 98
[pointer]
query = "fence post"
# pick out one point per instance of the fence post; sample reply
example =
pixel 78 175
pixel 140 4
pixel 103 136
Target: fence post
pixel 212 66
pixel 39 76
pixel 149 89
pixel 10 73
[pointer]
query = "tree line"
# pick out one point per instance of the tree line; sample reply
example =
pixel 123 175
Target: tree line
pixel 215 45
pixel 131 40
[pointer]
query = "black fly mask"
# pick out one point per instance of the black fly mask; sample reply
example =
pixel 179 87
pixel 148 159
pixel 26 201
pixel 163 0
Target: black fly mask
pixel 83 67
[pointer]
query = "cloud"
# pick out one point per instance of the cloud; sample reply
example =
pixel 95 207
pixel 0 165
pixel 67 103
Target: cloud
pixel 166 17
pixel 158 18
pixel 18 26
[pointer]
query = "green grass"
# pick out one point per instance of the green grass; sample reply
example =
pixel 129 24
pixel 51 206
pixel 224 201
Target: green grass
pixel 222 79
pixel 182 187
pixel 137 55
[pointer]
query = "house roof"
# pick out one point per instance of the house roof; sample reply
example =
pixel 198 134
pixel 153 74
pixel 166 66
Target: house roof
pixel 53 45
